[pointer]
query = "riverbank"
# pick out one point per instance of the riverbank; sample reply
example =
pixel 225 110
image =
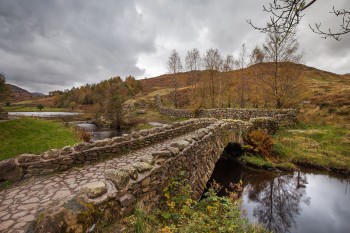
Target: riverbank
pixel 30 135
pixel 315 146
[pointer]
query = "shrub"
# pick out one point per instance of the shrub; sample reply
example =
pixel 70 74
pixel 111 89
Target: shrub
pixel 259 143
pixel 40 106
pixel 180 213
pixel 83 135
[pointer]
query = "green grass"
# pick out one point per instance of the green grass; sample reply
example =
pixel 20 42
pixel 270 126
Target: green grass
pixel 29 135
pixel 261 163
pixel 317 146
pixel 17 108
pixel 323 147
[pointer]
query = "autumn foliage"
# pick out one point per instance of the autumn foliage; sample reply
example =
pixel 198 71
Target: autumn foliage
pixel 259 143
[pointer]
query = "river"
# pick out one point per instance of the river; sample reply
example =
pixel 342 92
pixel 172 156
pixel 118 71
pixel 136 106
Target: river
pixel 290 202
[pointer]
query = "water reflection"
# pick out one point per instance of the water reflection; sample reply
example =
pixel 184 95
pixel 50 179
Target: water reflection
pixel 296 202
pixel 278 201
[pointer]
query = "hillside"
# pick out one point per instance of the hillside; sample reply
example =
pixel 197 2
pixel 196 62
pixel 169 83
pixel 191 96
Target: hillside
pixel 325 96
pixel 20 94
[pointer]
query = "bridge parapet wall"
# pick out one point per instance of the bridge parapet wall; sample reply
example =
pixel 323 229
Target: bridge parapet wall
pixel 194 155
pixel 29 165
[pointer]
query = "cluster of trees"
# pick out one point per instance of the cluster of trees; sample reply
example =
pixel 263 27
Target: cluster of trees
pixel 273 78
pixel 105 98
pixel 91 94
pixel 3 90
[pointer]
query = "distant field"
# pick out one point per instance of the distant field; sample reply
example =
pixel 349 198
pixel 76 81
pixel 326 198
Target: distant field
pixel 33 136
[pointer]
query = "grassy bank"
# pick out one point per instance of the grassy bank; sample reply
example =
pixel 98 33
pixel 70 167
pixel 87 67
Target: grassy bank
pixel 321 147
pixel 29 135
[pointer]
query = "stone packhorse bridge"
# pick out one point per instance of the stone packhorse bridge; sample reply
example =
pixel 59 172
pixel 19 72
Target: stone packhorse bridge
pixel 75 188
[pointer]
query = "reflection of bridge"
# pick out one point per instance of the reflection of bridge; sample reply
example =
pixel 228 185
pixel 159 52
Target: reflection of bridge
pixel 57 194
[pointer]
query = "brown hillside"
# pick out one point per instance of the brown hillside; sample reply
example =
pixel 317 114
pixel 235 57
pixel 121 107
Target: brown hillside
pixel 325 98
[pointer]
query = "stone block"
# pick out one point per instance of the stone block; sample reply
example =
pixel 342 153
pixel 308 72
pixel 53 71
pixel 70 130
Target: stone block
pixel 148 159
pixel 162 154
pixel 174 151
pixel 145 182
pixel 131 171
pixel 50 154
pixel 9 170
pixel 28 158
pixel 144 132
pixel 127 200
pixel 142 167
pixel 119 178
pixel 94 189
pixel 181 144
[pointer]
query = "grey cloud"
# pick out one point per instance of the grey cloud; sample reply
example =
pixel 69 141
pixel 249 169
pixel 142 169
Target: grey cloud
pixel 46 45
pixel 62 43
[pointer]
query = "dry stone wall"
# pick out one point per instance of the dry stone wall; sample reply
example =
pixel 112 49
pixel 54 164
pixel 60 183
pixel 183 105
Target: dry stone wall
pixel 29 165
pixel 195 154
pixel 284 116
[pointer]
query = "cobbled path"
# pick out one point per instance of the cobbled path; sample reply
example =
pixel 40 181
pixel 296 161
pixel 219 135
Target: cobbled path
pixel 20 203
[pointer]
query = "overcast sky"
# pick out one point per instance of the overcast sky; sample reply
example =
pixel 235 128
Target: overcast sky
pixel 56 44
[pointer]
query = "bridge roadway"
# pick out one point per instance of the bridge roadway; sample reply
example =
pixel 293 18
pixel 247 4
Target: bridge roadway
pixel 20 203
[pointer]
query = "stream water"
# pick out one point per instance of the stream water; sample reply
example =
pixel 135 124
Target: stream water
pixel 289 202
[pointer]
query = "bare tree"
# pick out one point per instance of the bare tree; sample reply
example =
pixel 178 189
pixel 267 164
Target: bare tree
pixel 241 63
pixel 282 78
pixel 285 15
pixel 174 66
pixel 228 63
pixel 212 62
pixel 257 56
pixel 193 59
pixel 225 82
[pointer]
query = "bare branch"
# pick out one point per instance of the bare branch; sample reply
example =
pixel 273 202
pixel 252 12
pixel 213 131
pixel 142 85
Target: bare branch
pixel 344 26
pixel 286 15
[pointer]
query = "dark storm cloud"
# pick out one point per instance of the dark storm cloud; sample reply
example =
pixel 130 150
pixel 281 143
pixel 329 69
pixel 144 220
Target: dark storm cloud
pixel 62 43
pixel 47 45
